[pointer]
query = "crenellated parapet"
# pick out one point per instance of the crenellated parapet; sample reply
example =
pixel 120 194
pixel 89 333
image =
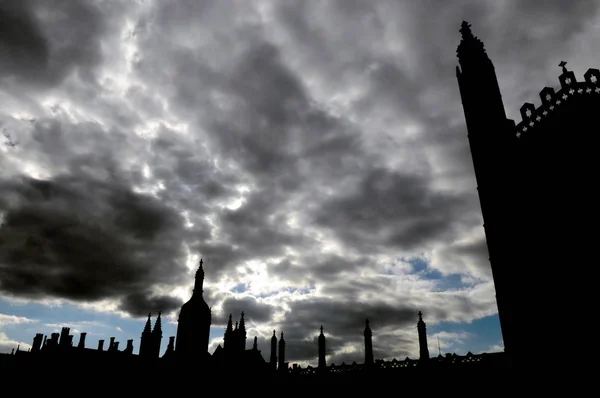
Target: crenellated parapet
pixel 553 100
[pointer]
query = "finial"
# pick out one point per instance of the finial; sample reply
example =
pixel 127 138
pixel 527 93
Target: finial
pixel 159 312
pixel 465 29
pixel 367 322
pixel 563 66
pixel 321 329
pixel 242 314
pixel 273 333
pixel 282 335
pixel 420 315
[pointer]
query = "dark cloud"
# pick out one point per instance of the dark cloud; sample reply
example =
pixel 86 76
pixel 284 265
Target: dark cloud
pixel 82 238
pixel 304 151
pixel 255 310
pixel 42 42
pixel 141 303
pixel 362 216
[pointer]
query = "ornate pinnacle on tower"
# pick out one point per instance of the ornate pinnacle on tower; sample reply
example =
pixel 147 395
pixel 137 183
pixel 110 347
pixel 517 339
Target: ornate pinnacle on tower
pixel 200 270
pixel 465 30
pixel 157 325
pixel 563 66
pixel 470 44
pixel 148 327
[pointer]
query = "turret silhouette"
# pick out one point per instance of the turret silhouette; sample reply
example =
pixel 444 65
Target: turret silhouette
pixel 282 365
pixel 273 358
pixel 322 363
pixel 368 344
pixel 422 329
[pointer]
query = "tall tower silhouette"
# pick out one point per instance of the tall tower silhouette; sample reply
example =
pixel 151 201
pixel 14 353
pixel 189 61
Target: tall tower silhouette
pixel 491 142
pixel 193 328
pixel 534 181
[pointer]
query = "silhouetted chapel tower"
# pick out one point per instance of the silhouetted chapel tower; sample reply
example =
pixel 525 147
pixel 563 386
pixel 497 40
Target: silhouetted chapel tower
pixel 536 188
pixel 193 328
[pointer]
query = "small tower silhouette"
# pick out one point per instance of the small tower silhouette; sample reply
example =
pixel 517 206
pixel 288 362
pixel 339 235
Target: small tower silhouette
pixel 422 330
pixel 322 364
pixel 282 365
pixel 368 345
pixel 273 358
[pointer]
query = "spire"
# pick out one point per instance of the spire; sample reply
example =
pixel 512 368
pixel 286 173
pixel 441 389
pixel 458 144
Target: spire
pixel 321 330
pixel 148 327
pixel 281 336
pixel 199 281
pixel 255 345
pixel 242 322
pixel 229 324
pixel 274 336
pixel 157 325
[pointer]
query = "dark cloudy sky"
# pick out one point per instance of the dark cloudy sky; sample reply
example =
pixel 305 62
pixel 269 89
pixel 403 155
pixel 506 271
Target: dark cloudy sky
pixel 313 153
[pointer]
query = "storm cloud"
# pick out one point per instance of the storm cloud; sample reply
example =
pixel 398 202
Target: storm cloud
pixel 314 155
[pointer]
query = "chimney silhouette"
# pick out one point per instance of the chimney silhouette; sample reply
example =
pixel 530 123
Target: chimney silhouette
pixel 82 340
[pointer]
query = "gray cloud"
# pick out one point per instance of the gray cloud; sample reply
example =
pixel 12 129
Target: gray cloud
pixel 303 151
